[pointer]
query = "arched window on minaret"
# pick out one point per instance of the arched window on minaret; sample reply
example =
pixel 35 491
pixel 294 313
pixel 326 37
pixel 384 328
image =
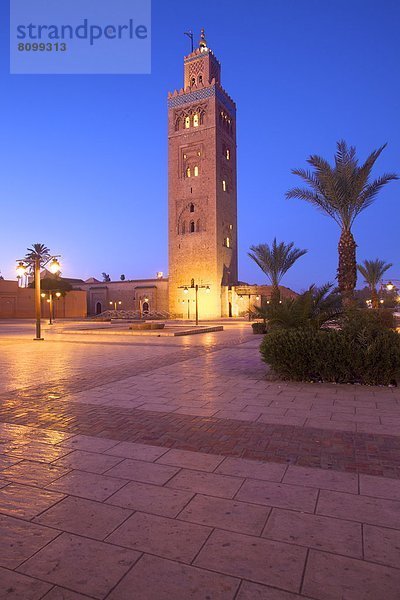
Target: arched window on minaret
pixel 187 122
pixel 200 78
pixel 188 172
pixel 177 124
pixel 193 81
pixel 196 120
pixel 192 229
pixel 191 208
pixel 196 171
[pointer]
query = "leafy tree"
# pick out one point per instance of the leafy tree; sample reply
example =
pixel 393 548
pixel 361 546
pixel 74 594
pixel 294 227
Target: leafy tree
pixel 316 307
pixel 373 271
pixel 342 192
pixel 122 278
pixel 275 261
pixel 56 284
pixel 106 277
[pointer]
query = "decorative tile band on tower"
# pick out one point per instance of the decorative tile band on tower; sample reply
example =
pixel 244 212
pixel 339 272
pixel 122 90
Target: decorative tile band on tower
pixel 201 94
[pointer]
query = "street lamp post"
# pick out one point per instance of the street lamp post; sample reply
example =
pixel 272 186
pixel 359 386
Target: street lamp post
pixel 36 263
pixel 196 288
pixel 50 301
pixel 115 304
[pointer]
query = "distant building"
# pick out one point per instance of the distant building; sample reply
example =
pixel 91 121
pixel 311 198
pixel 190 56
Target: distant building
pixel 143 296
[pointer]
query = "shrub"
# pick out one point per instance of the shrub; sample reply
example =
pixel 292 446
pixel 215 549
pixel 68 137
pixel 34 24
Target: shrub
pixel 368 354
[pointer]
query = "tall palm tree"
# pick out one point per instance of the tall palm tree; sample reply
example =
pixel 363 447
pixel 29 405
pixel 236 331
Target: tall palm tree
pixel 275 261
pixel 373 271
pixel 342 191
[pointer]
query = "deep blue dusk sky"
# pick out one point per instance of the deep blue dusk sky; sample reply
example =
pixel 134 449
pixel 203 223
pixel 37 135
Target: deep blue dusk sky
pixel 84 158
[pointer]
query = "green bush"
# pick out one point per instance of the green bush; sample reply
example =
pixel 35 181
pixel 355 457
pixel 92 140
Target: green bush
pixel 362 351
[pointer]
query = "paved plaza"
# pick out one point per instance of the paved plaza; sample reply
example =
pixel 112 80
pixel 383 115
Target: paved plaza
pixel 175 469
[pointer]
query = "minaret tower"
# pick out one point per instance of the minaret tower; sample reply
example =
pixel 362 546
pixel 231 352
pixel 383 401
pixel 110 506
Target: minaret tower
pixel 201 189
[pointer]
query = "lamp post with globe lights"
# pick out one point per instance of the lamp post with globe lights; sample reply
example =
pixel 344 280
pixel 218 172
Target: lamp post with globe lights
pixel 196 288
pixel 36 258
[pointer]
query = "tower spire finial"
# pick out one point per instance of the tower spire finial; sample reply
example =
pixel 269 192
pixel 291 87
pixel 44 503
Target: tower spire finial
pixel 203 41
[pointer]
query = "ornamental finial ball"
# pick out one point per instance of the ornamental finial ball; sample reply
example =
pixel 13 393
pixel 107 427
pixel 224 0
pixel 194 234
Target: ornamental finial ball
pixel 203 41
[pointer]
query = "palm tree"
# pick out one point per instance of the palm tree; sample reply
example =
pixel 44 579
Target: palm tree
pixel 342 191
pixel 275 261
pixel 373 271
pixel 38 251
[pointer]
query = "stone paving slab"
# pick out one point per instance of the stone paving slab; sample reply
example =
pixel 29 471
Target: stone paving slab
pixel 78 563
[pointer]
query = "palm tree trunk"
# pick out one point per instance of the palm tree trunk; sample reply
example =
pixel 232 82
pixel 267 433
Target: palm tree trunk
pixel 275 294
pixel 347 269
pixel 374 298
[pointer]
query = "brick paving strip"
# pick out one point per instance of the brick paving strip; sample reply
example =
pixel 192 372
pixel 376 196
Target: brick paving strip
pixel 372 454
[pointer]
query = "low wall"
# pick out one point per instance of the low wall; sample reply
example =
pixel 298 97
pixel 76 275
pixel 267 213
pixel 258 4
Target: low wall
pixel 19 303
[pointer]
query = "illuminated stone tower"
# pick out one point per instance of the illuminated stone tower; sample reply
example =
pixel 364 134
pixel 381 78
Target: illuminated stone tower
pixel 202 188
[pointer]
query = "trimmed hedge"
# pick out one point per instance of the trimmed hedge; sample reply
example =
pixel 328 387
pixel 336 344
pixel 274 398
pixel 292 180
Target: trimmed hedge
pixel 363 351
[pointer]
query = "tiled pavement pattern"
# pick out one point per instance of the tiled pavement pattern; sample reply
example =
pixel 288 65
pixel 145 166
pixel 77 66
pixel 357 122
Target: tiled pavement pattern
pixel 88 511
pixel 88 517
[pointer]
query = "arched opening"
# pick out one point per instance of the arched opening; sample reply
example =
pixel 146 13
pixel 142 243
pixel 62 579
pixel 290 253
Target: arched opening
pixel 200 78
pixel 192 230
pixel 196 171
pixel 193 81
pixel 187 122
pixel 145 307
pixel 98 308
pixel 196 120
pixel 230 309
pixel 191 208
pixel 188 173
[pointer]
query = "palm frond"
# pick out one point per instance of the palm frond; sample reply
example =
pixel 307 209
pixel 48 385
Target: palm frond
pixel 316 307
pixel 373 271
